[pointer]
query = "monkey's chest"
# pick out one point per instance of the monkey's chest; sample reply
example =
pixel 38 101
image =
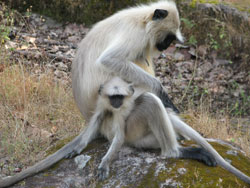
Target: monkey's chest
pixel 107 129
pixel 146 65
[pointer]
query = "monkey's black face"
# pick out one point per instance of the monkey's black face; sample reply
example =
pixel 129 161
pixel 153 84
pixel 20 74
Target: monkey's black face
pixel 116 100
pixel 166 43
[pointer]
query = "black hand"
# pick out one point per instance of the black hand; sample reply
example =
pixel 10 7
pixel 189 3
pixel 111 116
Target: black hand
pixel 166 101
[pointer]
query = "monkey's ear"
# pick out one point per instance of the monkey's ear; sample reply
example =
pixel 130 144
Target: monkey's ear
pixel 160 14
pixel 100 89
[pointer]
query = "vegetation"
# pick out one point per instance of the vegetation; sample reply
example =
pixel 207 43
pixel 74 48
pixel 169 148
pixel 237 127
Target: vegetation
pixel 34 112
pixel 81 11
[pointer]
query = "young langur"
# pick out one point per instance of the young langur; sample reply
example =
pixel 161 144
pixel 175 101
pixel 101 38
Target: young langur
pixel 140 121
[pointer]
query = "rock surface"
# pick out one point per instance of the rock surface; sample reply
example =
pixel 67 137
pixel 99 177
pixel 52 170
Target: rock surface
pixel 133 168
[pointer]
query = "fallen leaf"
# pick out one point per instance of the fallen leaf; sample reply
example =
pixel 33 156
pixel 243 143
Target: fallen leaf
pixel 54 129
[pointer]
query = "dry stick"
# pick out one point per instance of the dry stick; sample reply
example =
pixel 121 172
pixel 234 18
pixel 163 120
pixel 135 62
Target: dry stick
pixel 189 83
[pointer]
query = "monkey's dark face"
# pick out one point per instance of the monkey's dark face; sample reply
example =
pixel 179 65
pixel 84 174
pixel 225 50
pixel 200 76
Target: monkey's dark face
pixel 166 42
pixel 116 92
pixel 165 28
pixel 116 101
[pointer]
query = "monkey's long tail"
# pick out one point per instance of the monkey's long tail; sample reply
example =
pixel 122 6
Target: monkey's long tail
pixel 40 166
pixel 184 129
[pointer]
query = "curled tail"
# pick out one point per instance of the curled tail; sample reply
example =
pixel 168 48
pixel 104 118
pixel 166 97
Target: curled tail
pixel 185 130
pixel 40 166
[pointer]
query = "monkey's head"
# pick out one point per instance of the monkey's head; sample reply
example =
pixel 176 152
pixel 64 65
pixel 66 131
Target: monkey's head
pixel 116 92
pixel 163 25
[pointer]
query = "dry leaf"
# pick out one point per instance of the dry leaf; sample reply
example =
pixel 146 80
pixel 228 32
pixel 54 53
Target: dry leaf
pixel 54 129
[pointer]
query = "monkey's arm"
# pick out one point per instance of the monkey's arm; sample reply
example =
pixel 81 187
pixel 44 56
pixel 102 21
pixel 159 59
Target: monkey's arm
pixel 117 60
pixel 117 142
pixel 86 136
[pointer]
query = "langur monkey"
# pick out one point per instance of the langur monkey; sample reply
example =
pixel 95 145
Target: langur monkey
pixel 123 45
pixel 141 121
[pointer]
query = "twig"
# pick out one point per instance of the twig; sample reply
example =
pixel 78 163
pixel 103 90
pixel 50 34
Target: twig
pixel 190 81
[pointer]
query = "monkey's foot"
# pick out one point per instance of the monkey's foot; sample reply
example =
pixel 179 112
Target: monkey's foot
pixel 198 154
pixel 169 153
pixel 102 173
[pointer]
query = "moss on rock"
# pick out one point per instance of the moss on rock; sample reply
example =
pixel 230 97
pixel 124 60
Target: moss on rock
pixel 139 168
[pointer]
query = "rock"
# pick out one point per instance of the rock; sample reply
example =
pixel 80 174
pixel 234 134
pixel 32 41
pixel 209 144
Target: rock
pixel 81 161
pixel 182 171
pixel 141 168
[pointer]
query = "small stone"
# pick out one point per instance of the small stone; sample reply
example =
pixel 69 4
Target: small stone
pixel 182 171
pixel 149 160
pixel 81 161
pixel 232 152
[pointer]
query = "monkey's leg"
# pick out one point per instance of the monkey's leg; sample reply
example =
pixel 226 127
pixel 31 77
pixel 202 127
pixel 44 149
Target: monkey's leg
pixel 117 142
pixel 160 125
pixel 199 154
pixel 87 135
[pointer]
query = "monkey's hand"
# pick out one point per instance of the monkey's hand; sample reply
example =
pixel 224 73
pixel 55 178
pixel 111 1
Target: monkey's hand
pixel 199 154
pixel 103 173
pixel 79 144
pixel 162 94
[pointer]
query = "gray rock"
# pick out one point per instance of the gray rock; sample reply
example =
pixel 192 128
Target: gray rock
pixel 138 168
pixel 81 161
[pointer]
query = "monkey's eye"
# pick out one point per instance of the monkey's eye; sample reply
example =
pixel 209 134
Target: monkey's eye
pixel 132 89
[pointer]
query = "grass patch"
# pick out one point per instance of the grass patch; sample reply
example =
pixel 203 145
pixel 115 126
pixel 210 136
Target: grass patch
pixel 220 126
pixel 35 111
